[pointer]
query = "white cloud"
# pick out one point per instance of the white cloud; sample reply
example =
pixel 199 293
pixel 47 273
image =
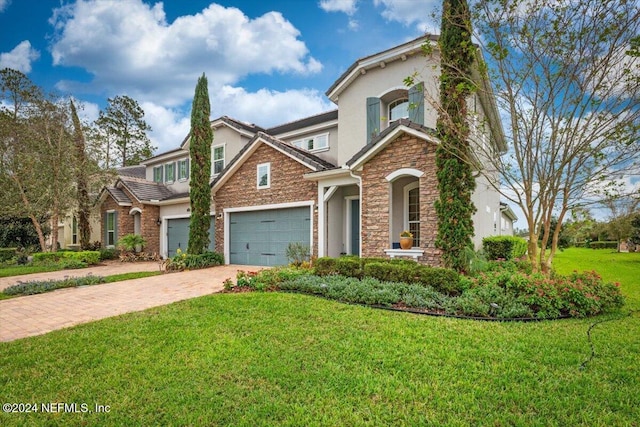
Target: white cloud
pixel 346 6
pixel 20 58
pixel 411 12
pixel 169 126
pixel 130 47
pixel 265 108
pixel 4 4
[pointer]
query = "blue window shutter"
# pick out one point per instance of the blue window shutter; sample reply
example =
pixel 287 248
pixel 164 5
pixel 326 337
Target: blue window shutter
pixel 416 104
pixel 373 118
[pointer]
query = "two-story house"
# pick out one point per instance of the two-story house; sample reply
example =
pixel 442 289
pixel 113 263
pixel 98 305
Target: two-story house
pixel 347 181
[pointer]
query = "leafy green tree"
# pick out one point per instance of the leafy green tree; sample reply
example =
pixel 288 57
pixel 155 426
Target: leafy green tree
pixel 456 182
pixel 124 132
pixel 200 153
pixel 565 74
pixel 36 178
pixel 82 184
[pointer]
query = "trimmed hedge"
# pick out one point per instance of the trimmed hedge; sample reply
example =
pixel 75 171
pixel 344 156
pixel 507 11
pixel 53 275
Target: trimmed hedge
pixel 603 245
pixel 87 257
pixel 7 253
pixel 392 270
pixel 504 247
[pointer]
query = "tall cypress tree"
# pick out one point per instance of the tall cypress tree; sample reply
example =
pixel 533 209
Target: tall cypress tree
pixel 200 153
pixel 456 183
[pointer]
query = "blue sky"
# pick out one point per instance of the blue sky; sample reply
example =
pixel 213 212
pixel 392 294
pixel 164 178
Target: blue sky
pixel 268 62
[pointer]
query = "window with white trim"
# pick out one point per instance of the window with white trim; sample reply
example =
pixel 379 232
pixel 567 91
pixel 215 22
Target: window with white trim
pixel 218 159
pixel 170 172
pixel 157 174
pixel 399 109
pixel 111 228
pixel 314 143
pixel 183 169
pixel 264 175
pixel 74 231
pixel 412 209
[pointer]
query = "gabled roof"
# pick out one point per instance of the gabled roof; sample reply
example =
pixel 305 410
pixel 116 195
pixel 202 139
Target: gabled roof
pixel 247 129
pixel 171 153
pixel 303 123
pixel 362 65
pixel 118 195
pixel 311 161
pixel 389 134
pixel 144 190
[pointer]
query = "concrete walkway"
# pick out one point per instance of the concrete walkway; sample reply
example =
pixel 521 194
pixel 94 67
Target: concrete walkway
pixel 38 314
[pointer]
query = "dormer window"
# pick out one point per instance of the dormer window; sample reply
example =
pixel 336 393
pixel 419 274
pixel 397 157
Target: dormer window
pixel 399 109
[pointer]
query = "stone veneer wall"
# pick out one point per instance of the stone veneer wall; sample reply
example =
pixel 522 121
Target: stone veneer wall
pixel 287 185
pixel 148 227
pixel 404 152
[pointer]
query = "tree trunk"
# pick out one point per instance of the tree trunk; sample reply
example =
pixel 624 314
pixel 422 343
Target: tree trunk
pixel 36 225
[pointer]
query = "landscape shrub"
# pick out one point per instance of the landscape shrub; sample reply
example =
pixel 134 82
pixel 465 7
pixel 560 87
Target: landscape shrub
pixel 504 247
pixel 297 253
pixel 349 266
pixel 7 253
pixel 603 245
pixel 88 257
pixel 184 261
pixel 40 286
pixel 325 266
pixel 131 242
pixel 108 253
pixel 72 264
pixel 40 258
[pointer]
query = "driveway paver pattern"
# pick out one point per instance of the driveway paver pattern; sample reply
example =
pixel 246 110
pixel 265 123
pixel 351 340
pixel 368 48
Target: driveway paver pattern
pixel 38 314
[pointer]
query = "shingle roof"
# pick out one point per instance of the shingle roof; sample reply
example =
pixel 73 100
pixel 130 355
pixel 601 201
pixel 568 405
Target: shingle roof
pixel 241 125
pixel 303 123
pixel 118 195
pixel 138 171
pixel 144 190
pixel 402 122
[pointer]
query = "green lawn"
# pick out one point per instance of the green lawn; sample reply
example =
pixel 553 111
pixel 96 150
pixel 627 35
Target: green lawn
pixel 285 359
pixel 19 270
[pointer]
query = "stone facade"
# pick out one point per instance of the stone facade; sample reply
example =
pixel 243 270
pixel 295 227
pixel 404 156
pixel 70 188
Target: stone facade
pixel 149 228
pixel 405 151
pixel 287 186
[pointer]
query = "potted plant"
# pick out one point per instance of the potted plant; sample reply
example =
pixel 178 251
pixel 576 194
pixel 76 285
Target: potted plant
pixel 406 240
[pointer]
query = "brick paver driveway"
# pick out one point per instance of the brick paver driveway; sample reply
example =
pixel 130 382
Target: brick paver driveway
pixel 38 314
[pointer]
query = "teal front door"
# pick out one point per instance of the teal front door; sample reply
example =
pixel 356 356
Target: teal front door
pixel 355 226
pixel 262 237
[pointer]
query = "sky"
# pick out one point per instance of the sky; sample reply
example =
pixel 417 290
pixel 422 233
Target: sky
pixel 267 62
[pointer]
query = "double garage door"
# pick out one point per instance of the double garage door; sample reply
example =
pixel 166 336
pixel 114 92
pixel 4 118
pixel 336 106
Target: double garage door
pixel 178 235
pixel 262 237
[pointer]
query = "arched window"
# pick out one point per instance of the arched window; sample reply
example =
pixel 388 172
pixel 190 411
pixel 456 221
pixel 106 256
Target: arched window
pixel 399 109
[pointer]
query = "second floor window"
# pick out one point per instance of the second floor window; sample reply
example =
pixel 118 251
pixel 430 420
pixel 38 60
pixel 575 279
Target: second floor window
pixel 157 174
pixel 183 169
pixel 399 109
pixel 318 142
pixel 169 172
pixel 218 159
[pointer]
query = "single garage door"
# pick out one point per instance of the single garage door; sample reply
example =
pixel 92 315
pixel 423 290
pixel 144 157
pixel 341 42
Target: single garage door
pixel 262 237
pixel 178 235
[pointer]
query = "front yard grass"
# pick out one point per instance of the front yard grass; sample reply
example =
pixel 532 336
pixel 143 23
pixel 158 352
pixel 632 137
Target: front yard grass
pixel 288 359
pixel 19 270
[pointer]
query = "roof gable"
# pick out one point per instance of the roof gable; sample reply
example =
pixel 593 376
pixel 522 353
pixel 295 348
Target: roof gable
pixel 387 136
pixel 309 160
pixel 362 65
